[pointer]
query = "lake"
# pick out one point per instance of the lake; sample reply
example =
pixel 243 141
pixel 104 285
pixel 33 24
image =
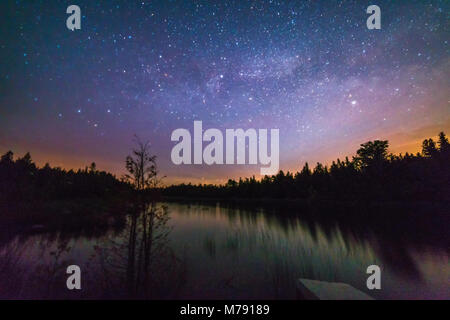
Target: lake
pixel 215 251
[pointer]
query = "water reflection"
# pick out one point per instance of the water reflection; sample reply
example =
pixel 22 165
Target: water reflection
pixel 140 260
pixel 173 250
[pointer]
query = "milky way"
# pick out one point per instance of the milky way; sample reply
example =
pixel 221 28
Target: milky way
pixel 310 68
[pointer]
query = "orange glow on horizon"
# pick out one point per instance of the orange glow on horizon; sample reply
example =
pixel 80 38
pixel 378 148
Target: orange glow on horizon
pixel 402 142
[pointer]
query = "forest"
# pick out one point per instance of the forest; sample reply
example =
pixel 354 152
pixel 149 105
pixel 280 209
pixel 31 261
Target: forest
pixel 373 174
pixel 22 180
pixel 56 197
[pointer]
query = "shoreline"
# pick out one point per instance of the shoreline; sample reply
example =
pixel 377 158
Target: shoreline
pixel 311 203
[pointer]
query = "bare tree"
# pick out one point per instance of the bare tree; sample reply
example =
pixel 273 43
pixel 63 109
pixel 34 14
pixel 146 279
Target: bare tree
pixel 141 166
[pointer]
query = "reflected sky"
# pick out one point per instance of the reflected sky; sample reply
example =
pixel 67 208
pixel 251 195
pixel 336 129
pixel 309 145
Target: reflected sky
pixel 221 253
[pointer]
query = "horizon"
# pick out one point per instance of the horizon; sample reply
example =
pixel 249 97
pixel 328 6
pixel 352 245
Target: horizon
pixel 122 171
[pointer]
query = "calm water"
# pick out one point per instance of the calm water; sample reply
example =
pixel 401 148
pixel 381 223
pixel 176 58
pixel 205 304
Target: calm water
pixel 180 251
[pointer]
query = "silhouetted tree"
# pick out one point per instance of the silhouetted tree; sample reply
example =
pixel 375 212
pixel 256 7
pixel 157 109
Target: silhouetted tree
pixel 7 158
pixel 93 168
pixel 372 153
pixel 305 171
pixel 444 145
pixel 141 166
pixel 429 148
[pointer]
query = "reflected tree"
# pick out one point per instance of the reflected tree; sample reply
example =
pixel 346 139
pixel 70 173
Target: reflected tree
pixel 140 264
pixel 142 259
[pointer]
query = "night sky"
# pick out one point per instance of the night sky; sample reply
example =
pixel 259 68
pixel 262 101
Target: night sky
pixel 309 68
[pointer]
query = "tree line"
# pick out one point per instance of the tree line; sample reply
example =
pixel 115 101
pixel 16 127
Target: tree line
pixel 22 181
pixel 372 174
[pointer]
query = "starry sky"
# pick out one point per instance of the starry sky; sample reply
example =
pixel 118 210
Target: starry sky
pixel 309 68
